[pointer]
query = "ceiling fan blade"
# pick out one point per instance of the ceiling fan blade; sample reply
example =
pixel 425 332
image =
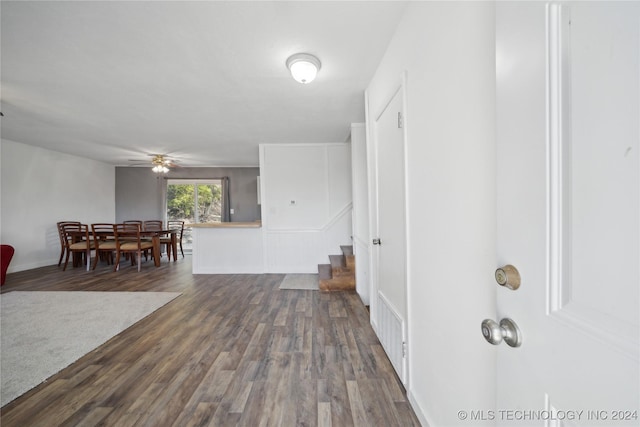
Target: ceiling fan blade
pixel 137 162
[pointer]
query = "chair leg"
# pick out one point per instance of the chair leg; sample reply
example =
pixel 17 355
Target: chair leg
pixel 117 266
pixel 181 251
pixel 61 256
pixel 89 259
pixel 66 261
pixel 95 262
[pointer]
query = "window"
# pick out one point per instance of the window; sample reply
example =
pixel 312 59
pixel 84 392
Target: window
pixel 194 201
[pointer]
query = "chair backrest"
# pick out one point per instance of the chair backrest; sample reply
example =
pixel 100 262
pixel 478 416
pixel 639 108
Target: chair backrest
pixel 126 232
pixel 61 225
pixel 76 231
pixel 153 225
pixel 127 227
pixel 134 221
pixel 102 228
pixel 176 225
pixel 101 231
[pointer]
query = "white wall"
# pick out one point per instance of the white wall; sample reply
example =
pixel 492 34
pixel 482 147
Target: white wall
pixel 306 204
pixel 41 187
pixel 360 190
pixel 448 51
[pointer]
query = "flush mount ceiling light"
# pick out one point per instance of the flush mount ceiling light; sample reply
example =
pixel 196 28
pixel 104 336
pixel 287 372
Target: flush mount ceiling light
pixel 303 67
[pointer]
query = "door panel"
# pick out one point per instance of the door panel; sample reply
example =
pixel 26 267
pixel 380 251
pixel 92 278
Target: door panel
pixel 391 280
pixel 599 186
pixel 568 207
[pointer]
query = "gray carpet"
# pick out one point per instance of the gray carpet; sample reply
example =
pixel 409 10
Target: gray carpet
pixel 300 281
pixel 44 332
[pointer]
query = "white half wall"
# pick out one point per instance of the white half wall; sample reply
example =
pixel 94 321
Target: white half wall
pixel 233 250
pixel 306 204
pixel 448 52
pixel 40 187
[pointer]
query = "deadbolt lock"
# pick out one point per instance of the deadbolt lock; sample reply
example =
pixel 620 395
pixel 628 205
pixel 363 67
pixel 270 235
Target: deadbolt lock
pixel 508 277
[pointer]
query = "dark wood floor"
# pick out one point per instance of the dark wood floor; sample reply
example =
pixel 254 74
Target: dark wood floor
pixel 231 350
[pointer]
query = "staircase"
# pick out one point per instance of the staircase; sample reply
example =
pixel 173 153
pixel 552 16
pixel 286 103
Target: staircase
pixel 340 273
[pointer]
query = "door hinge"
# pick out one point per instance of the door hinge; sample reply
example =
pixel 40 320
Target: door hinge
pixel 400 120
pixel 404 349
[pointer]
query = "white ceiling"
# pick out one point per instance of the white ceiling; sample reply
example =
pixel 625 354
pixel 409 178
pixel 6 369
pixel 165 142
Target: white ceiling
pixel 203 81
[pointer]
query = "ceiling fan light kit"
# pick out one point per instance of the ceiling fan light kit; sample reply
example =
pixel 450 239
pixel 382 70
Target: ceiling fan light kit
pixel 159 164
pixel 160 169
pixel 303 67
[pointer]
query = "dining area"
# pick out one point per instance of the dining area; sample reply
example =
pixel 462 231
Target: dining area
pixel 113 244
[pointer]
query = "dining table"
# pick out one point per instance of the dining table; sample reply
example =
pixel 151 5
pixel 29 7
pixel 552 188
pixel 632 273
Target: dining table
pixel 155 239
pixel 155 236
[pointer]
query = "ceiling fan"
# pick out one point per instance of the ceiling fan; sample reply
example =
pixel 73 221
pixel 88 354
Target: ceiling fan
pixel 161 163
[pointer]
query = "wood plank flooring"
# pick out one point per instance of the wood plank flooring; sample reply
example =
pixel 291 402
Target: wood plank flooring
pixel 231 350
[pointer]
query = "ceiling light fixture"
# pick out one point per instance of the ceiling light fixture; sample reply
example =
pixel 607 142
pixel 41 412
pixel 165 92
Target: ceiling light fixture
pixel 159 163
pixel 160 169
pixel 303 67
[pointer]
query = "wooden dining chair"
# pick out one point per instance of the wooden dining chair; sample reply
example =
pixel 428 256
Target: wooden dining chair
pixel 63 244
pixel 78 241
pixel 173 225
pixel 135 221
pixel 105 242
pixel 128 241
pixel 152 225
pixel 141 224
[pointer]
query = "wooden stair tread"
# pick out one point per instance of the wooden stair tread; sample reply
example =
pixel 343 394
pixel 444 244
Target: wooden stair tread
pixel 338 284
pixel 339 274
pixel 337 261
pixel 339 266
pixel 324 271
pixel 347 250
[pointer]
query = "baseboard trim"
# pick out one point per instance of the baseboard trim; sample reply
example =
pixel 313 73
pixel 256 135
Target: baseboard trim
pixel 418 410
pixel 15 268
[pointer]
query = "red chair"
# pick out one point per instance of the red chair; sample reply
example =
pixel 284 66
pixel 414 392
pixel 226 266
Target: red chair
pixel 6 253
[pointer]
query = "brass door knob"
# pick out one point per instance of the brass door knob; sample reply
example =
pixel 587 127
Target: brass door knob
pixel 508 277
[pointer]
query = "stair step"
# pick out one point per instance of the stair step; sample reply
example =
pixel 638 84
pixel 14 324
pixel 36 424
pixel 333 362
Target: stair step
pixel 351 262
pixel 350 259
pixel 347 250
pixel 337 261
pixel 339 266
pixel 328 282
pixel 337 284
pixel 339 274
pixel 324 272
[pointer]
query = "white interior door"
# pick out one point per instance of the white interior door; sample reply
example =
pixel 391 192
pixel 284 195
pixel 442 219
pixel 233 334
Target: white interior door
pixel 568 211
pixel 391 252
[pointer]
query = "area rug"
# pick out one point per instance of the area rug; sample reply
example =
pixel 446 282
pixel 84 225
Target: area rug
pixel 300 281
pixel 44 332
